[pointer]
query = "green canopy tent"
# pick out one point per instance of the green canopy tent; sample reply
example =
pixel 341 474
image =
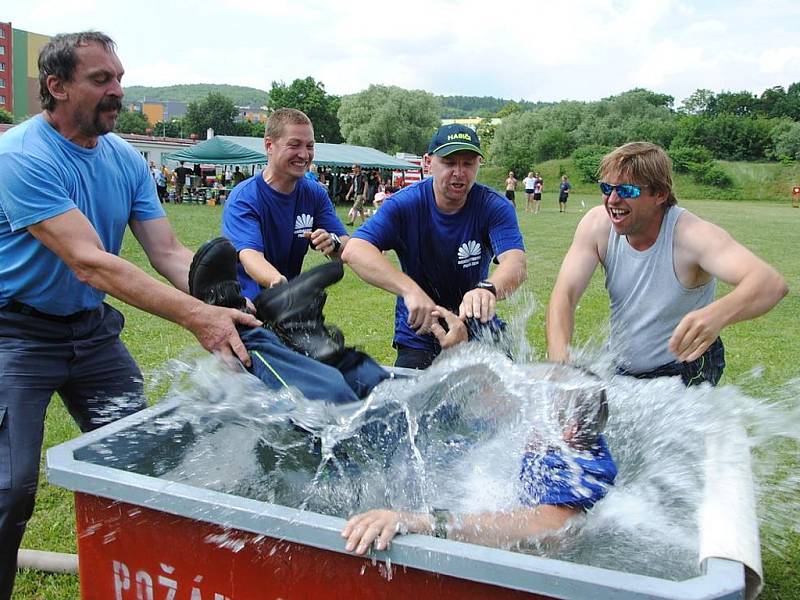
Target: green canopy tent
pixel 218 151
pixel 336 155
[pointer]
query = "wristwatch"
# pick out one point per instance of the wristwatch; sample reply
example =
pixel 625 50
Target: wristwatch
pixel 486 285
pixel 441 521
pixel 337 243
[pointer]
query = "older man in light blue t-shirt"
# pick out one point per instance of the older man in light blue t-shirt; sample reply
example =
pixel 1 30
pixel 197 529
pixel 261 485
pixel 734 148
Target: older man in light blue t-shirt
pixel 68 190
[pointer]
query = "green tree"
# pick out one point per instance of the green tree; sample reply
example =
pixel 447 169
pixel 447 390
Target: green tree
pixel 727 136
pixel 310 96
pixel 550 143
pixel 130 121
pixel 587 160
pixel 741 104
pixel 698 103
pixel 510 108
pixel 389 118
pixel 485 131
pixel 173 128
pixel 5 116
pixel 216 111
pixel 788 142
pixel 514 140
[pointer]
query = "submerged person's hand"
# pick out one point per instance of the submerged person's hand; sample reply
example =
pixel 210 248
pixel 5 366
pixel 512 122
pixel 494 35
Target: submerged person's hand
pixel 379 526
pixel 456 332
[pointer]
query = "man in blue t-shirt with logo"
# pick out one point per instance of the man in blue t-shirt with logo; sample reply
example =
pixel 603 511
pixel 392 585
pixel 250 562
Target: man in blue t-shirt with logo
pixel 68 190
pixel 273 217
pixel 445 231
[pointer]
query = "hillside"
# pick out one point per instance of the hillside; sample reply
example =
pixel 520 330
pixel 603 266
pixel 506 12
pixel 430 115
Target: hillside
pixel 768 182
pixel 240 95
pixel 451 106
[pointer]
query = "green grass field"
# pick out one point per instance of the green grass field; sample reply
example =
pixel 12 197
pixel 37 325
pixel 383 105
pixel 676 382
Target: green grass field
pixel 366 317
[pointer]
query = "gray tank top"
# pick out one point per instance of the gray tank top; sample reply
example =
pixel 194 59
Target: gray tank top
pixel 647 300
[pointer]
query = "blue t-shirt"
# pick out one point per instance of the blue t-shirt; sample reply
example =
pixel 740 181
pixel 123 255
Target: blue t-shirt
pixel 257 217
pixel 43 175
pixel 445 254
pixel 564 187
pixel 579 482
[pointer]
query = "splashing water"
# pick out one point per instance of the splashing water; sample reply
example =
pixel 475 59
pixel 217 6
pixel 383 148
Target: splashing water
pixel 453 437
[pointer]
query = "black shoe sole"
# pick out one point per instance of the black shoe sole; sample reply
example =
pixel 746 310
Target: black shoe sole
pixel 279 303
pixel 222 286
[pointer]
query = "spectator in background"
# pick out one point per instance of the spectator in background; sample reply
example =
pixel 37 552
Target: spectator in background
pixel 161 185
pixel 238 176
pixel 373 185
pixel 311 174
pixel 181 173
pixel 358 191
pixel 563 194
pixel 511 186
pixel 537 193
pixel 529 183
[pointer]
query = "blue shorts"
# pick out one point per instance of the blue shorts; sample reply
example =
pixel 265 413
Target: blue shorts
pixel 579 481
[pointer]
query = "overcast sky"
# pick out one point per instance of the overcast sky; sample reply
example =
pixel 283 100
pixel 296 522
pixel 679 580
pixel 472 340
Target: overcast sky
pixel 549 51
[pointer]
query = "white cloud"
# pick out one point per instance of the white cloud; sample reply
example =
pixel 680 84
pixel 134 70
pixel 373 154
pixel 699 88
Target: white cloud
pixel 570 49
pixel 777 60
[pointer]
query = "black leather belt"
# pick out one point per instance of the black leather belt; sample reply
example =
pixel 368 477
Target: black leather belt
pixel 24 309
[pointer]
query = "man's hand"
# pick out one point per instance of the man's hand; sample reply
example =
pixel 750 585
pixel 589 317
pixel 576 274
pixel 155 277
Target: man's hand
pixel 694 334
pixel 278 279
pixel 479 304
pixel 215 329
pixel 321 241
pixel 365 528
pixel 420 308
pixel 456 328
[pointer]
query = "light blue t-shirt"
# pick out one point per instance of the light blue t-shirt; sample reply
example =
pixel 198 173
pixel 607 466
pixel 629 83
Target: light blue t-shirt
pixel 43 175
pixel 445 254
pixel 258 217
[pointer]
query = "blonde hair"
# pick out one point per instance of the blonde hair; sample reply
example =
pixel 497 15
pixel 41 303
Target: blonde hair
pixel 282 117
pixel 641 163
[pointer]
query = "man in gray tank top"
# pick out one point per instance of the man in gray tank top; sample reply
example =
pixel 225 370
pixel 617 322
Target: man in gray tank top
pixel 661 264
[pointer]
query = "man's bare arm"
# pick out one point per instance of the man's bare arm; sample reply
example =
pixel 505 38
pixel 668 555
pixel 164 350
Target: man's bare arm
pixel 490 529
pixel 166 254
pixel 576 272
pixel 260 269
pixel 757 286
pixel 373 267
pixel 71 236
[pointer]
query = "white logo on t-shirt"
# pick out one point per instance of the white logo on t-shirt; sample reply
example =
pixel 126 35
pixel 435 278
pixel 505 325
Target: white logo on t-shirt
pixel 303 224
pixel 469 254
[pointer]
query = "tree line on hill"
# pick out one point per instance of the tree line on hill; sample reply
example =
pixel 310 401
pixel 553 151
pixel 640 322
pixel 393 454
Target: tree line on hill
pixel 705 127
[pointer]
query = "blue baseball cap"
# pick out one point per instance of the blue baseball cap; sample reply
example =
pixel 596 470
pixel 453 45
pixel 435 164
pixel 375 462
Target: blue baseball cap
pixel 454 138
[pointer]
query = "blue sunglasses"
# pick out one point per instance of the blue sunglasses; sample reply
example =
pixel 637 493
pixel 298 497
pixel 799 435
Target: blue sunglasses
pixel 626 191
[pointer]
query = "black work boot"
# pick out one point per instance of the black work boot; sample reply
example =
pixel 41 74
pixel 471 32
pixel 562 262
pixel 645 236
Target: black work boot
pixel 294 312
pixel 212 275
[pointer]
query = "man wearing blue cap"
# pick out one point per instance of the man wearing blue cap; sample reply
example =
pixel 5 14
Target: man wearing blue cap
pixel 445 231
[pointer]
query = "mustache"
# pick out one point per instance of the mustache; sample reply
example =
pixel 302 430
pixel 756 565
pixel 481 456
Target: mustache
pixel 110 103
